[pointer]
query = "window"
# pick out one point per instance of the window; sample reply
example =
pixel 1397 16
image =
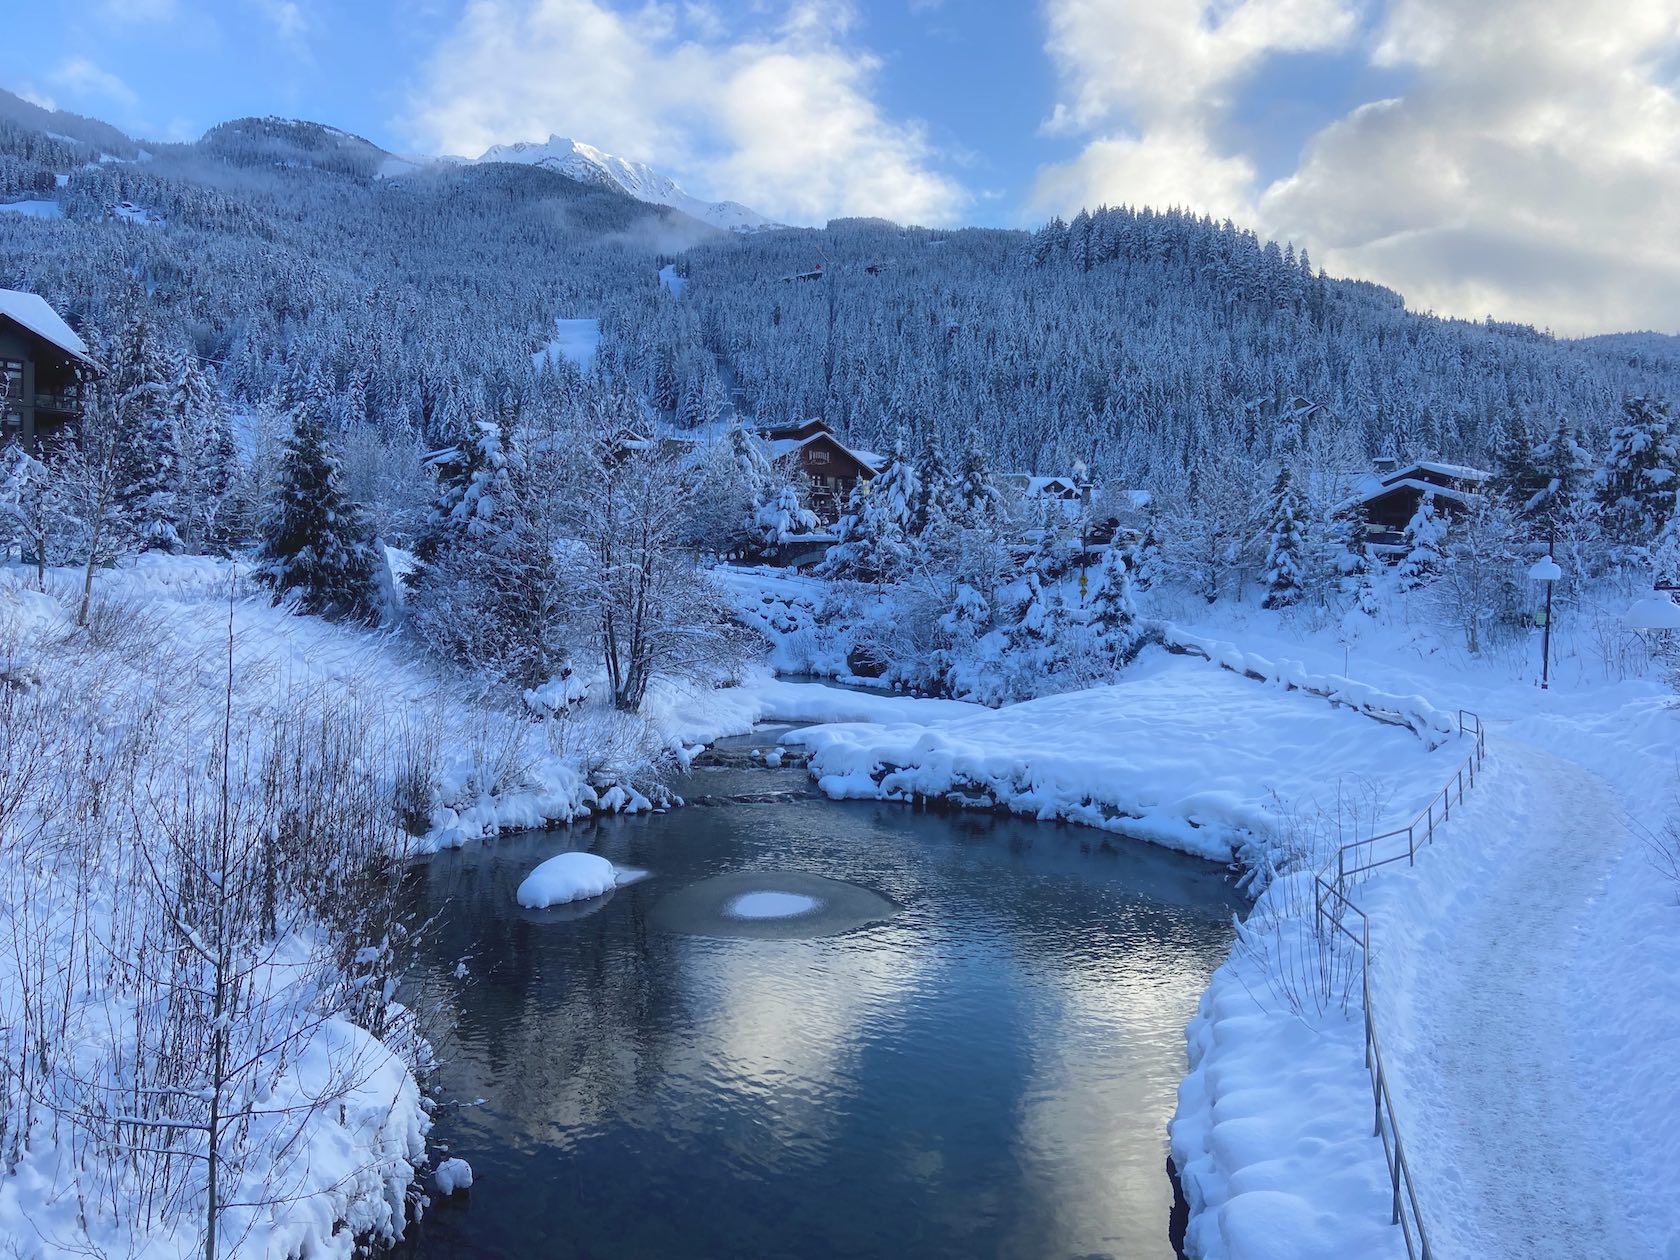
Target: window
pixel 819 457
pixel 11 374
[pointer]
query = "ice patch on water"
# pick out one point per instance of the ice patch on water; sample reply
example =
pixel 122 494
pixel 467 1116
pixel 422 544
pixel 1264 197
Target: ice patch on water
pixel 770 905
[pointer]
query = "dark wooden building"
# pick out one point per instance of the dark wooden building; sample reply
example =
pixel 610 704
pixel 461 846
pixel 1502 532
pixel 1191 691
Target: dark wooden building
pixel 1391 498
pixel 43 366
pixel 831 467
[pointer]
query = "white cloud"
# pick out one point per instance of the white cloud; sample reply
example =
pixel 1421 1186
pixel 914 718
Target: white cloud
pixel 783 119
pixel 291 23
pixel 82 77
pixel 1147 80
pixel 1532 171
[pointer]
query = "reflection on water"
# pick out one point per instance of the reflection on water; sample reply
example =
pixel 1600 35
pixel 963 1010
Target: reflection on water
pixel 985 1071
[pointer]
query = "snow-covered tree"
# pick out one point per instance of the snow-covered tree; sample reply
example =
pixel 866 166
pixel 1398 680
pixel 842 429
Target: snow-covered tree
pixel 315 541
pixel 875 536
pixel 1113 612
pixel 781 520
pixel 1637 483
pixel 35 516
pixel 1145 557
pixel 1425 541
pixel 1477 582
pixel 1286 529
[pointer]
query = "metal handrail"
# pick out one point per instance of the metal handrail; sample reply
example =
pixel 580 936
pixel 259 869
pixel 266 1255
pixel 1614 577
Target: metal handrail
pixel 1334 906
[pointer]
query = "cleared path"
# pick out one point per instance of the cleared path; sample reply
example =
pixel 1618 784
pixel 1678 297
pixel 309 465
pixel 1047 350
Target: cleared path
pixel 1495 1111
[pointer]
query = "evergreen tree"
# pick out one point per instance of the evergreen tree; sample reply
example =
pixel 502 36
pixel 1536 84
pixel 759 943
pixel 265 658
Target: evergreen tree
pixel 977 496
pixel 936 495
pixel 1636 486
pixel 1286 532
pixel 875 534
pixel 147 449
pixel 1113 616
pixel 314 539
pixel 1517 476
pixel 782 519
pixel 1566 468
pixel 1145 563
pixel 1426 535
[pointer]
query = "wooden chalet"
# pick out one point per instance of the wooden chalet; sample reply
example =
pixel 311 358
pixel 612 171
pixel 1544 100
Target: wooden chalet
pixel 43 365
pixel 831 467
pixel 1390 498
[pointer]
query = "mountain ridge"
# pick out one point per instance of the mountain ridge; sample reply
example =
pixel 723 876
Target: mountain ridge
pixel 587 164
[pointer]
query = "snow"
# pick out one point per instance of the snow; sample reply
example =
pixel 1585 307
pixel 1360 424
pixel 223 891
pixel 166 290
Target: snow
pixel 1657 612
pixel 453 1175
pixel 128 212
pixel 1545 569
pixel 571 877
pixel 589 165
pixel 33 209
pixel 1147 762
pixel 574 339
pixel 671 281
pixel 1492 934
pixel 32 311
pixel 770 905
pixel 1526 982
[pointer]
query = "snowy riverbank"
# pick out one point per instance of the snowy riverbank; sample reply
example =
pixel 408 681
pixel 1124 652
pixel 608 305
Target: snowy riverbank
pixel 1178 751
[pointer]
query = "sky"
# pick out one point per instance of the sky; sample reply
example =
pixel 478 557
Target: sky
pixel 1519 158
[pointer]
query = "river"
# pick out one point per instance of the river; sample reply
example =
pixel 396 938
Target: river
pixel 971 1049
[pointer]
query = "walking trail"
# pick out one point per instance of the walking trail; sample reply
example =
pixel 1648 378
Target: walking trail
pixel 1493 1108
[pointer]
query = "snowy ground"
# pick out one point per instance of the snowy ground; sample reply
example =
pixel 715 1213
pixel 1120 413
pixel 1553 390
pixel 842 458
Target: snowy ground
pixel 34 209
pixel 574 339
pixel 1179 751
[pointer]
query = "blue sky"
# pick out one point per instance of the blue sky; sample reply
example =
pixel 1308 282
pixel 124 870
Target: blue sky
pixel 1444 147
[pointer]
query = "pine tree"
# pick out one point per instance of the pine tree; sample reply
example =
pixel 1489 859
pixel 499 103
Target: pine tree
pixel 1517 475
pixel 1426 535
pixel 314 539
pixel 147 449
pixel 1286 531
pixel 1636 486
pixel 977 496
pixel 782 519
pixel 875 540
pixel 1114 612
pixel 936 495
pixel 1145 563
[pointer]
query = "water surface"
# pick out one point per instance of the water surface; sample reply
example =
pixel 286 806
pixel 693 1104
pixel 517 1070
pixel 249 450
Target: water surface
pixel 983 1068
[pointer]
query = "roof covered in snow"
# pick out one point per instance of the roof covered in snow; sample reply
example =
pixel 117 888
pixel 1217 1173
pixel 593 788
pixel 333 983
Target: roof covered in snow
pixel 32 312
pixel 1456 472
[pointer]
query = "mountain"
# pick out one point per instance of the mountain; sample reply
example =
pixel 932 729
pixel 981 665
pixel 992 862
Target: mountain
pixel 589 165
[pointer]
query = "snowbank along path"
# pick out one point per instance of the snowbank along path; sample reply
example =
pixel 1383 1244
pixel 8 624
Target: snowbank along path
pixel 1496 1109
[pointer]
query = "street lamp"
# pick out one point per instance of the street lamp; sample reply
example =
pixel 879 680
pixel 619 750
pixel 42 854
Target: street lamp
pixel 1546 572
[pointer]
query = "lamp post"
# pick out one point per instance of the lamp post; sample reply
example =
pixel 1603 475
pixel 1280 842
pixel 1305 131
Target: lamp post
pixel 1546 572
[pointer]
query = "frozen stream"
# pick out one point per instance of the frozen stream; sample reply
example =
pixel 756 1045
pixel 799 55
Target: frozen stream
pixel 816 1030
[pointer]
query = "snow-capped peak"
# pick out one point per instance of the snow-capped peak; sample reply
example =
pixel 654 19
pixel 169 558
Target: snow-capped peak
pixel 587 164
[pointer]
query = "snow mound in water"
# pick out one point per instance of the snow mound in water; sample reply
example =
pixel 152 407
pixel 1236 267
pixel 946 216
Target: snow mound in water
pixel 770 905
pixel 453 1175
pixel 571 877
